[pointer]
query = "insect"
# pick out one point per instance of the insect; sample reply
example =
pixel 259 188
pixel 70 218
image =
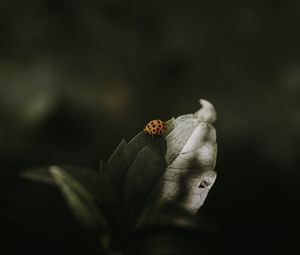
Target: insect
pixel 155 128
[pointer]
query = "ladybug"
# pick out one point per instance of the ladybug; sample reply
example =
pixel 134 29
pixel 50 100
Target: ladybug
pixel 155 128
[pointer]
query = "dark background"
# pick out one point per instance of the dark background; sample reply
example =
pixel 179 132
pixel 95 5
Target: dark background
pixel 78 76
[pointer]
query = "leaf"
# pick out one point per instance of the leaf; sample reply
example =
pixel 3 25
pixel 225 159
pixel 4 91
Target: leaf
pixel 89 197
pixel 175 170
pixel 117 167
pixel 98 185
pixel 39 174
pixel 83 205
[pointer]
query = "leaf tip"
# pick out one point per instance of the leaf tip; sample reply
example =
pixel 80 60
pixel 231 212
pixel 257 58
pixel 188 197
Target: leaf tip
pixel 39 174
pixel 102 167
pixel 207 112
pixel 54 169
pixel 118 151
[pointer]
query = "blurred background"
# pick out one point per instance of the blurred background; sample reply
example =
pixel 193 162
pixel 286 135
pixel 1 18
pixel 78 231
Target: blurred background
pixel 78 76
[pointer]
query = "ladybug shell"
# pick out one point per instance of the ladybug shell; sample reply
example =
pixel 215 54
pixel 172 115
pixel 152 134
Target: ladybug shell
pixel 155 128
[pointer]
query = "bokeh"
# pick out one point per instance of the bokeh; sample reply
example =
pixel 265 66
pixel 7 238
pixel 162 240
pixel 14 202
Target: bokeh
pixel 78 76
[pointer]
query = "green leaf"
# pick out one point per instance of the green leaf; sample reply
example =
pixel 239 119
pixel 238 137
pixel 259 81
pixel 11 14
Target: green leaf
pixel 176 169
pixel 83 205
pixel 81 202
pixel 117 167
pixel 38 174
pixel 90 195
